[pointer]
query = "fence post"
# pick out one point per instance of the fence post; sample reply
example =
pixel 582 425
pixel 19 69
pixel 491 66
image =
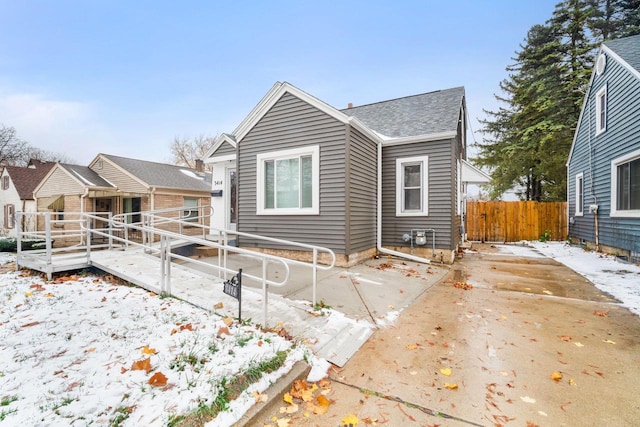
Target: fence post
pixel 48 250
pixel 265 293
pixel 88 239
pixel 18 239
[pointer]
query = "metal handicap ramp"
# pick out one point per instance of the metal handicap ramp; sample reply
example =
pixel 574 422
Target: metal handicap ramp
pixel 329 334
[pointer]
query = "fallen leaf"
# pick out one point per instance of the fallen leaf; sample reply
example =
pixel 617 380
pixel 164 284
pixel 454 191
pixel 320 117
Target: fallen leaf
pixel 283 422
pixel 218 306
pixel 259 397
pixel 227 321
pixel 319 406
pixel 142 365
pixel 26 325
pixel 223 331
pixel 147 350
pixel 572 381
pixel 445 371
pixel 453 386
pixel 556 376
pixel 601 313
pixel 287 398
pixel 350 420
pixel 289 409
pixel 564 338
pixel 412 346
pixel 158 380
pixel 28 294
pixel 90 350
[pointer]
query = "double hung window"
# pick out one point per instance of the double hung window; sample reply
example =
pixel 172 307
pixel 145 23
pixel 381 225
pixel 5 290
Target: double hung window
pixel 411 186
pixel 288 182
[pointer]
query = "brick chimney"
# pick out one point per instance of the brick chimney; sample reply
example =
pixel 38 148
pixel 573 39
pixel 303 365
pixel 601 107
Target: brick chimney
pixel 199 165
pixel 350 105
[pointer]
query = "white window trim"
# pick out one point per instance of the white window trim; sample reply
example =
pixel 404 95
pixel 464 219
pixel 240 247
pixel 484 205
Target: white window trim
pixel 601 127
pixel 579 211
pixel 314 152
pixel 614 212
pixel 425 186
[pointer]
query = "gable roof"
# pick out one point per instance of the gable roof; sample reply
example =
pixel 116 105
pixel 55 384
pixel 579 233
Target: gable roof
pixel 26 179
pixel 427 113
pixel 161 174
pixel 627 50
pixel 428 116
pixel 221 139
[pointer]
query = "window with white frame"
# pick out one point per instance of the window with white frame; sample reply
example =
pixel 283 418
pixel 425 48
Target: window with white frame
pixel 412 186
pixel 625 185
pixel 5 182
pixel 601 110
pixel 190 212
pixel 579 194
pixel 288 182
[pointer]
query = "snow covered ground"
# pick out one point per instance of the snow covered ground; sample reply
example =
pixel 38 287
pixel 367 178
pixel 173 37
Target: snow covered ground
pixel 69 350
pixel 621 280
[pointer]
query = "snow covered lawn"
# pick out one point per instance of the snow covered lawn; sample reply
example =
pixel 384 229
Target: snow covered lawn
pixel 84 350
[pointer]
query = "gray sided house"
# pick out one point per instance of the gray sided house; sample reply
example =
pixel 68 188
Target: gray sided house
pixel 604 162
pixel 383 177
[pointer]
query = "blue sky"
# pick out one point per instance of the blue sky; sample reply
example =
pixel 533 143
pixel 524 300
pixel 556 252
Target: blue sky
pixel 126 77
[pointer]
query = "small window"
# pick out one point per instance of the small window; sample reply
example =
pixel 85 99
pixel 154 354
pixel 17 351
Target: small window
pixel 9 218
pixel 625 186
pixel 601 110
pixel 288 182
pixel 579 194
pixel 190 212
pixel 5 182
pixel 411 186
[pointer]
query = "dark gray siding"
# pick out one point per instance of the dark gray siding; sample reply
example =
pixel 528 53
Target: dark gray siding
pixel 224 150
pixel 592 155
pixel 292 123
pixel 441 193
pixel 362 195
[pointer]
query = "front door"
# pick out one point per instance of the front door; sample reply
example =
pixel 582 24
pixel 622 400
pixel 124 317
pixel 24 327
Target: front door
pixel 232 199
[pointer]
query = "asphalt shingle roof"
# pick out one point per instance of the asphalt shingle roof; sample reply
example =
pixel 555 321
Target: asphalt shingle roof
pixel 415 115
pixel 162 174
pixel 25 180
pixel 87 176
pixel 627 48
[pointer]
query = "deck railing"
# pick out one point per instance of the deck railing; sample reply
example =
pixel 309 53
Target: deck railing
pixel 158 233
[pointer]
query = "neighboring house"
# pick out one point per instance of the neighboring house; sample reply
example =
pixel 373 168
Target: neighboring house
pixel 604 162
pixel 120 185
pixel 16 193
pixel 358 181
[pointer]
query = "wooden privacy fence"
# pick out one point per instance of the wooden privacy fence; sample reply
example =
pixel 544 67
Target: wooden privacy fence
pixel 514 221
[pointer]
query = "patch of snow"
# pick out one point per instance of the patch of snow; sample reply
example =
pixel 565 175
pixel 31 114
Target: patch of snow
pixel 191 174
pixel 519 250
pixel 319 369
pixel 68 347
pixel 7 257
pixel 608 274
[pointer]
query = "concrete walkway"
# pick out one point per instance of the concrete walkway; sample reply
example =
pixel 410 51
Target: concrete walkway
pixel 361 298
pixel 530 343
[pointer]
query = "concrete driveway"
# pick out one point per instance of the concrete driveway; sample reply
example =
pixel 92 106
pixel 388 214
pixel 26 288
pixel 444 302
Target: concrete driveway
pixel 531 343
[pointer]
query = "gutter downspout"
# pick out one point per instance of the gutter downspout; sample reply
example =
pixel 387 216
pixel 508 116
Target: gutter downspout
pixel 379 219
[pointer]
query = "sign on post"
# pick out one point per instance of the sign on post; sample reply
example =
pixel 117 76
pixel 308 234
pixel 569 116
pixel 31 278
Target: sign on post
pixel 233 288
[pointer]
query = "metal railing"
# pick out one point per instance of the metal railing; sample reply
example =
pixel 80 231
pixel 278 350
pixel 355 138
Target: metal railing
pixel 158 233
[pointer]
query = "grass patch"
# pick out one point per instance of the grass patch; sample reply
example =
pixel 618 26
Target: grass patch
pixel 227 392
pixel 6 400
pixel 121 414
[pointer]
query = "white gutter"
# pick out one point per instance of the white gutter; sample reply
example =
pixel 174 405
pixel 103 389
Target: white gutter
pixel 379 220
